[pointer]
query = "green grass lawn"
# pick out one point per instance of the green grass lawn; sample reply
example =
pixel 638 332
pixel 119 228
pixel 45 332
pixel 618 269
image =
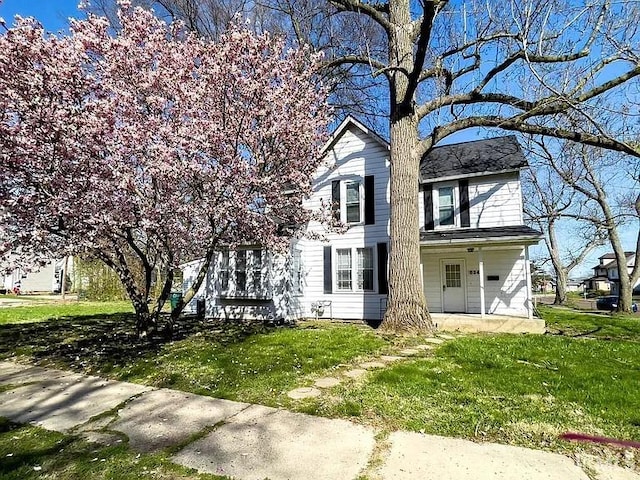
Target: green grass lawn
pixel 582 376
pixel 594 325
pixel 39 313
pixel 28 452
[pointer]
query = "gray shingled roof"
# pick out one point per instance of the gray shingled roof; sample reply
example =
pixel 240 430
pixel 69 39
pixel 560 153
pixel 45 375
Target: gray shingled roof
pixel 470 158
pixel 479 233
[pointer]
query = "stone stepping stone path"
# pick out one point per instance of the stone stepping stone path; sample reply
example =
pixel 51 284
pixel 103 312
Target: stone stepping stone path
pixel 356 373
pixel 327 382
pixel 372 365
pixel 390 358
pixel 304 392
pixel 407 352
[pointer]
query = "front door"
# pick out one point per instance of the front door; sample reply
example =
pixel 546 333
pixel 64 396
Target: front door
pixel 454 298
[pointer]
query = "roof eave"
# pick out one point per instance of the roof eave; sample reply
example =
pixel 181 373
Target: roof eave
pixel 471 175
pixel 505 239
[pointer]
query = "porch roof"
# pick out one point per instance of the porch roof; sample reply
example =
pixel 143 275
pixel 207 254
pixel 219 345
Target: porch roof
pixel 462 236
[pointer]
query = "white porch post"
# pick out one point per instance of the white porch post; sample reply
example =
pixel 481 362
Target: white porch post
pixel 527 267
pixel 481 273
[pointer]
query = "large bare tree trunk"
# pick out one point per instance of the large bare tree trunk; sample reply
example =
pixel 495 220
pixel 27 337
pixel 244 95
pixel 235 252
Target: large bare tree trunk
pixel 407 308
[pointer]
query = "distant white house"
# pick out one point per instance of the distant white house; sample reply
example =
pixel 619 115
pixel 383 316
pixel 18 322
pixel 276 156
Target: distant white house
pixel 474 244
pixel 45 279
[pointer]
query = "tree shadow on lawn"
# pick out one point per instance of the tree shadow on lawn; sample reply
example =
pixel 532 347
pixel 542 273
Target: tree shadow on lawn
pixel 97 342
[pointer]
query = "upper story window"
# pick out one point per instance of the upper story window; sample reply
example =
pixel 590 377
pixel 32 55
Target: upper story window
pixel 353 200
pixel 446 205
pixel 352 203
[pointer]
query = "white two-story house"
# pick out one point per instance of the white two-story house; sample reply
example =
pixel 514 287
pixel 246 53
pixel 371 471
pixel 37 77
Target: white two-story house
pixel 474 245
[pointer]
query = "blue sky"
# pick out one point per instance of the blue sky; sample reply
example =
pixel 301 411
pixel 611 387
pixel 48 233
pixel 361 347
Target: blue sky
pixel 52 14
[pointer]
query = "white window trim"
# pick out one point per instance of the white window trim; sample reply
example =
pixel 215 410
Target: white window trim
pixel 249 291
pixel 297 290
pixel 343 199
pixel 354 270
pixel 436 205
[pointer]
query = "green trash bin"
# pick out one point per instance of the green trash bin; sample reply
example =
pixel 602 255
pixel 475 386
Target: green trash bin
pixel 174 299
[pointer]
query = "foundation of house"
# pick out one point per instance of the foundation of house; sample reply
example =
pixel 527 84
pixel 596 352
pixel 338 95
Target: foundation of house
pixel 467 322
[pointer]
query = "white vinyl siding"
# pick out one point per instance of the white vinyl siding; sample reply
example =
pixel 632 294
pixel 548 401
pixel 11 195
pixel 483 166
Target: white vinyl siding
pixel 495 201
pixel 353 157
pixel 505 296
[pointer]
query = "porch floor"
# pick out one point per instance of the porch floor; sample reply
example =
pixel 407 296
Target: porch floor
pixel 469 322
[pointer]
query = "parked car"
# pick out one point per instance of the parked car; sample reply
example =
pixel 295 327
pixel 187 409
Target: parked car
pixel 610 303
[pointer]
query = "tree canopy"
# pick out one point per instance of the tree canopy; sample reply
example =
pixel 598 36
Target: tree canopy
pixel 151 146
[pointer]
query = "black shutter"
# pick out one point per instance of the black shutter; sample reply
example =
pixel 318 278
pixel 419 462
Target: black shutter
pixel 382 268
pixel 335 199
pixel 328 287
pixel 465 220
pixel 428 207
pixel 369 201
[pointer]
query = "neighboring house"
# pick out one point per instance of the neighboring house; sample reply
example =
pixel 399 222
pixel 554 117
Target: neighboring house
pixel 575 285
pixel 606 273
pixel 473 241
pixel 38 279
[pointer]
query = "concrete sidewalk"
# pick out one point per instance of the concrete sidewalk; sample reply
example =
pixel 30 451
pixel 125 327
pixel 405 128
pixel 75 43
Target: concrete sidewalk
pixel 251 442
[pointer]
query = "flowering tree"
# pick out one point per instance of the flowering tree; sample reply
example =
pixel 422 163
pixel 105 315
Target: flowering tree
pixel 152 147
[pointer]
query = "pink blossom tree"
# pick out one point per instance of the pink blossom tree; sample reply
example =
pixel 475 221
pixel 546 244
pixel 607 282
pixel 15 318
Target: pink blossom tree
pixel 151 147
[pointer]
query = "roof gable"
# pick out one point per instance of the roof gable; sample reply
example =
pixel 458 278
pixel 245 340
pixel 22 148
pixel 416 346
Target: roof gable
pixel 479 157
pixel 351 122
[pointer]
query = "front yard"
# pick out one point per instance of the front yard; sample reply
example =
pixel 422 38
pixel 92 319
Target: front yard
pixel 527 390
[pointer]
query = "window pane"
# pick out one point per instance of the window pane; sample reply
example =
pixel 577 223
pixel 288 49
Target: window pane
pixel 453 277
pixel 365 268
pixel 353 213
pixel 241 270
pixel 353 192
pixel 446 206
pixel 224 270
pixel 296 271
pixel 353 202
pixel 343 269
pixel 256 260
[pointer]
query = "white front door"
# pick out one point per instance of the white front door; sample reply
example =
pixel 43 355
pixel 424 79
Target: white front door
pixel 454 298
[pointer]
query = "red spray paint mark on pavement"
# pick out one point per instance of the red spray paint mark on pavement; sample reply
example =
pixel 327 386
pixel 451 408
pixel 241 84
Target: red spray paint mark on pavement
pixel 582 437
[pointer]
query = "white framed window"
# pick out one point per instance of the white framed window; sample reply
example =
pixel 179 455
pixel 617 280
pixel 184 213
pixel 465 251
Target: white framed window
pixel 224 270
pixel 256 270
pixel 354 269
pixel 353 203
pixel 445 205
pixel 364 272
pixel 343 268
pixel 296 272
pixel 241 271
